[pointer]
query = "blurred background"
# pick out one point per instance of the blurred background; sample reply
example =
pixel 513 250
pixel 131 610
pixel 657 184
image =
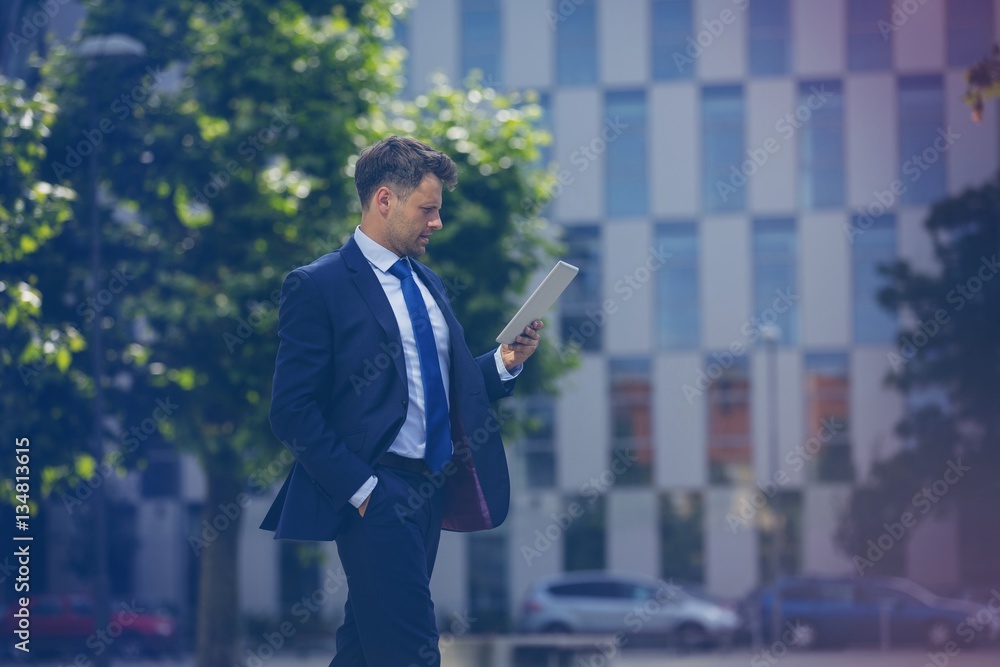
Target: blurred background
pixel 764 418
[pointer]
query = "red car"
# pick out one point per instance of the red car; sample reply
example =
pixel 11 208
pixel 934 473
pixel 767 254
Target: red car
pixel 63 624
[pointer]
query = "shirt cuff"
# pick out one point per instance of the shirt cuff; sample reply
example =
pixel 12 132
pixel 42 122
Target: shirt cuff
pixel 365 491
pixel 506 375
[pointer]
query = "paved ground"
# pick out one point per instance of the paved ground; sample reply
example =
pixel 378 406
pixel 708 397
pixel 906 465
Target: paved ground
pixel 740 658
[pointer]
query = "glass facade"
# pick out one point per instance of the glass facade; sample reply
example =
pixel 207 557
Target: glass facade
pixel 821 147
pixel 722 119
pixel 678 321
pixel 770 37
pixel 775 276
pixel 576 44
pixel 874 247
pixel 631 421
pixel 626 170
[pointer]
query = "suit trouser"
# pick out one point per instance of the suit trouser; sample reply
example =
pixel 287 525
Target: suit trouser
pixel 388 556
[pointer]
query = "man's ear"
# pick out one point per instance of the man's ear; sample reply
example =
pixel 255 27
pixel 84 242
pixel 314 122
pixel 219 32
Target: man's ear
pixel 383 199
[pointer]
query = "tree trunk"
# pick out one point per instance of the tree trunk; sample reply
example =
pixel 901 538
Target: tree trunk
pixel 218 593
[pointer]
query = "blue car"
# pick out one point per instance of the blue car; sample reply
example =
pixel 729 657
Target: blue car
pixel 821 611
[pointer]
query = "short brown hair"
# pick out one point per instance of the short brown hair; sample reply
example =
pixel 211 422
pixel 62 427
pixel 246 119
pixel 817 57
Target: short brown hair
pixel 401 162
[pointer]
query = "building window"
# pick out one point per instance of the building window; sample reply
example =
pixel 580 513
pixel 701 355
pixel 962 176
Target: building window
pixel 678 324
pixel 576 44
pixel 922 142
pixel 583 540
pixel 869 45
pixel 782 517
pixel 488 580
pixel 401 38
pixel 821 147
pixel 970 31
pixel 775 284
pixel 770 37
pixel 874 247
pixel 673 23
pixel 626 172
pixel 481 40
pixel 631 421
pixel 682 537
pixel 581 311
pixel 730 452
pixel 827 443
pixel 538 445
pixel 162 476
pixel 722 183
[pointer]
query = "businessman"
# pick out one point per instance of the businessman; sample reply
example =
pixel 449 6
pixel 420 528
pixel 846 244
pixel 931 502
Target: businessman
pixel 385 460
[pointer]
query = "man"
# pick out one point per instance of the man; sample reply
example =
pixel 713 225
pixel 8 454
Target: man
pixel 378 396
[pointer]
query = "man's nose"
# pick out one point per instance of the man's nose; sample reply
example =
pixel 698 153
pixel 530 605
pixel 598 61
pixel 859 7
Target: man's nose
pixel 436 223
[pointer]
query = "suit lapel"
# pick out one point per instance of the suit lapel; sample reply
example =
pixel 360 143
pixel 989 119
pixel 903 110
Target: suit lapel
pixel 370 288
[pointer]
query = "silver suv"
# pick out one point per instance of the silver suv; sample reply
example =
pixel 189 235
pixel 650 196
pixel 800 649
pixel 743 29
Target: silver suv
pixel 603 602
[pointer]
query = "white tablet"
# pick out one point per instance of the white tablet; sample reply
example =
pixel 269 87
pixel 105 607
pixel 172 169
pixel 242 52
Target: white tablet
pixel 540 301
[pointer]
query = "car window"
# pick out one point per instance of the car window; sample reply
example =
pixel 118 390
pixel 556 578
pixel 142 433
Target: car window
pixel 834 592
pixel 879 594
pixel 592 589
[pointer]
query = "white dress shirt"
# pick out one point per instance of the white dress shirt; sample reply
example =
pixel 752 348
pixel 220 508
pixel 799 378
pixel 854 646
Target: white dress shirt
pixel 412 439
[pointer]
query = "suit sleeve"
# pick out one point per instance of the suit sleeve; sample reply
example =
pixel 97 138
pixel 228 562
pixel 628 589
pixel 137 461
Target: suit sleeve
pixel 303 372
pixel 495 387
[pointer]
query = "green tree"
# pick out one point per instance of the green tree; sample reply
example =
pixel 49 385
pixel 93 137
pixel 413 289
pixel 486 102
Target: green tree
pixel 226 154
pixel 948 364
pixel 35 350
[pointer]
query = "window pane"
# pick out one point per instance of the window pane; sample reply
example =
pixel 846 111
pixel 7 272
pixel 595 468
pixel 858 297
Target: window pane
pixel 682 537
pixel 827 417
pixel 775 282
pixel 970 31
pixel 722 147
pixel 581 314
pixel 576 44
pixel 730 452
pixel 481 41
pixel 769 37
pixel 631 421
pixel 921 120
pixel 673 23
pixel 538 444
pixel 584 538
pixel 875 246
pixel 488 580
pixel 677 320
pixel 821 146
pixel 869 45
pixel 626 170
pixel 783 517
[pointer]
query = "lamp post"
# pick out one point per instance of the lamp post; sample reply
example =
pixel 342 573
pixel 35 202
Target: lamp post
pixel 771 334
pixel 90 49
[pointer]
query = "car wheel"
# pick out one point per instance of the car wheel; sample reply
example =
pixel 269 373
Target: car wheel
pixel 804 635
pixel 938 633
pixel 557 628
pixel 691 635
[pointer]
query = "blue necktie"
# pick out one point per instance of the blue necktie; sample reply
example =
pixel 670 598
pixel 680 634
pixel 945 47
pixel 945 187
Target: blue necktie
pixel 438 450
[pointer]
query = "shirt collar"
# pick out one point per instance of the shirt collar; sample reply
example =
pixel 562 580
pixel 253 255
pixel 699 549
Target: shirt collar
pixel 377 255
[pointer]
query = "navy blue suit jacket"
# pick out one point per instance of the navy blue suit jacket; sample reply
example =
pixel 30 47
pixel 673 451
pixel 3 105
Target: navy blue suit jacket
pixel 339 398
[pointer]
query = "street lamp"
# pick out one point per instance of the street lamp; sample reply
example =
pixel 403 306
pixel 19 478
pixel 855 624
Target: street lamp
pixel 90 49
pixel 771 334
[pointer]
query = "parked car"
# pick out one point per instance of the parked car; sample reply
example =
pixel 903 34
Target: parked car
pixel 600 602
pixel 819 611
pixel 63 624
